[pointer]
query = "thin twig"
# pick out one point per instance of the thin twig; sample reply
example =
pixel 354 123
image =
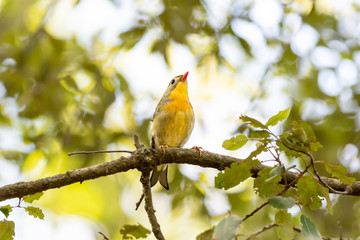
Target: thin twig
pixel 271 225
pixel 318 176
pixel 149 208
pixel 255 211
pixel 100 151
pixel 312 160
pixel 139 202
pixel 105 237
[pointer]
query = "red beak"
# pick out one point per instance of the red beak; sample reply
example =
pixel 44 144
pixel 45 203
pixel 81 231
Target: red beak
pixel 184 77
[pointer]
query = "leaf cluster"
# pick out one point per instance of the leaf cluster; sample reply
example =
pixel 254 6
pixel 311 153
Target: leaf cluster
pixel 306 191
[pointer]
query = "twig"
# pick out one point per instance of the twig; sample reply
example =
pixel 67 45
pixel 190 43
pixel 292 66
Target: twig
pixel 139 202
pixel 255 211
pixel 319 178
pixel 100 151
pixel 271 225
pixel 105 237
pixel 312 160
pixel 149 208
pixel 137 142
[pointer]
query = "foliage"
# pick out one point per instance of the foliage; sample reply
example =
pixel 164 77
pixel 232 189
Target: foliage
pixel 300 142
pixel 134 231
pixel 43 100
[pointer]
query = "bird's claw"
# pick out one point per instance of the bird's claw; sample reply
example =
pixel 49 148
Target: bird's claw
pixel 163 148
pixel 199 149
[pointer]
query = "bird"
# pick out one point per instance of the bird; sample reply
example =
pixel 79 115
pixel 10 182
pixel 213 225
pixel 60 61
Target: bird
pixel 172 123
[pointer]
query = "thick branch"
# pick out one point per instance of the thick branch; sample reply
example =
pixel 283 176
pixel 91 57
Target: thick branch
pixel 151 157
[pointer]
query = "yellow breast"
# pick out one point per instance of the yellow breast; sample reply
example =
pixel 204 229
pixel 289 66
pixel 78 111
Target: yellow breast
pixel 175 122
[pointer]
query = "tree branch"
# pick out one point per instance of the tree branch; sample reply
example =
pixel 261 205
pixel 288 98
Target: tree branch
pixel 152 157
pixel 149 207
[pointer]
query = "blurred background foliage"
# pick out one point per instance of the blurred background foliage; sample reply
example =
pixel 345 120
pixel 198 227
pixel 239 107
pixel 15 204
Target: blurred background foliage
pixel 59 93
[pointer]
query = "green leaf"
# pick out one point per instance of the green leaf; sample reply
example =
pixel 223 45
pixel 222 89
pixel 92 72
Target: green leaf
pixel 33 197
pixel 226 229
pixel 7 230
pixel 278 170
pixel 6 210
pixel 207 235
pixel 340 172
pixel 253 122
pixel 235 142
pixel 309 191
pixel 235 174
pixel 266 185
pixel 325 193
pixel 281 116
pixel 301 138
pixel 309 230
pixel 259 134
pixel 282 203
pixel 285 230
pixel 134 231
pixel 35 212
pixel 260 148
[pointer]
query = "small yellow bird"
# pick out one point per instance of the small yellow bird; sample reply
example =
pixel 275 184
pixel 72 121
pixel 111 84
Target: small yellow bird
pixel 173 122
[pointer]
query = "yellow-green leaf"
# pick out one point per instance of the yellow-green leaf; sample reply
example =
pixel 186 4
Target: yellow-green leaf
pixel 340 172
pixel 285 230
pixel 134 231
pixel 206 235
pixel 35 212
pixel 253 122
pixel 281 116
pixel 308 192
pixel 267 185
pixel 7 230
pixel 33 197
pixel 235 174
pixel 235 142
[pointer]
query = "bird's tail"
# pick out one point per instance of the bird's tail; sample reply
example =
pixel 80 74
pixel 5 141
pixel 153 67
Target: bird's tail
pixel 160 174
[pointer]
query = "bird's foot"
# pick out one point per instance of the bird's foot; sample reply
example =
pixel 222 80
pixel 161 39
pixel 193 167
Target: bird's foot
pixel 163 148
pixel 199 149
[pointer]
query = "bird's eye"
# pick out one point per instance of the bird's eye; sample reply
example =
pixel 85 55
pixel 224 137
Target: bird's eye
pixel 172 81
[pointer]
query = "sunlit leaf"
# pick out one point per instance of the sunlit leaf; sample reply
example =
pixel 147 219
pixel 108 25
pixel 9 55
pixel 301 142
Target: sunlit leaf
pixel 309 229
pixel 260 148
pixel 300 138
pixel 6 210
pixel 309 192
pixel 134 231
pixel 340 172
pixel 253 122
pixel 235 142
pixel 35 212
pixel 226 229
pixel 285 222
pixel 267 185
pixel 281 116
pixel 207 235
pixel 7 230
pixel 282 203
pixel 259 134
pixel 235 174
pixel 33 197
